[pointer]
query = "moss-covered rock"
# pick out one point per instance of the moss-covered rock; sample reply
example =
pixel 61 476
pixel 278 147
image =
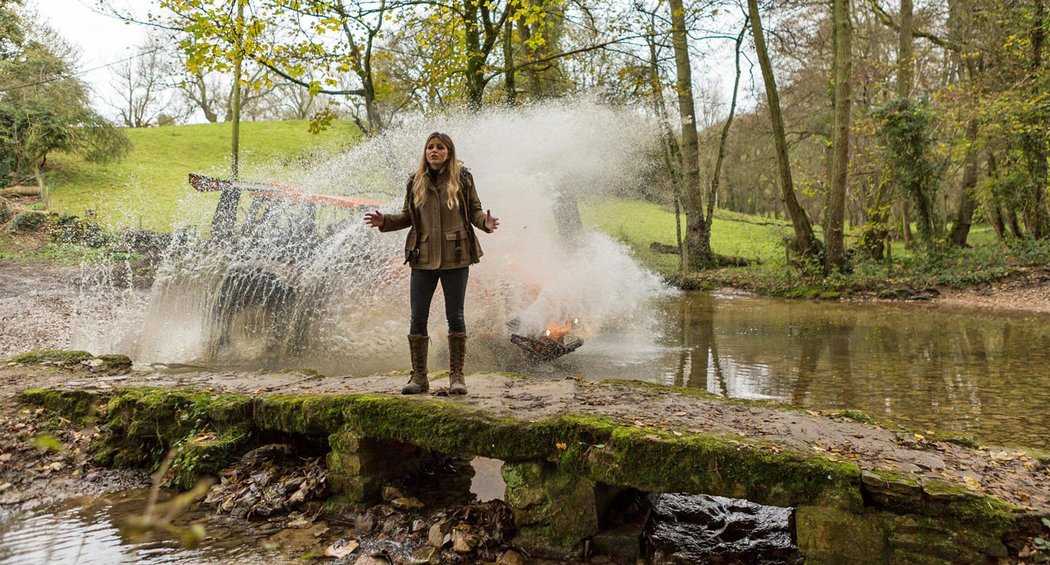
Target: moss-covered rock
pixel 115 364
pixel 74 405
pixel 205 454
pixel 554 510
pixel 52 357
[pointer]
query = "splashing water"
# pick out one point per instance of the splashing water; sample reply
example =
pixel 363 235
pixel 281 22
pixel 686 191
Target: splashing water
pixel 315 285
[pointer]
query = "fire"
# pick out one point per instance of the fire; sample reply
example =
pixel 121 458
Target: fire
pixel 558 331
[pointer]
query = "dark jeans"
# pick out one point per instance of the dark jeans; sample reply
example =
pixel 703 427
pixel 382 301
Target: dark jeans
pixel 421 291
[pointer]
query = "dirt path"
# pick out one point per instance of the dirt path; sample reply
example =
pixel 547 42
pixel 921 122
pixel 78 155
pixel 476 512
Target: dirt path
pixel 1029 292
pixel 1013 475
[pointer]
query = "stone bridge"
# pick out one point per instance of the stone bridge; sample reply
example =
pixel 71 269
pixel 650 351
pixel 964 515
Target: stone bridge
pixel 862 490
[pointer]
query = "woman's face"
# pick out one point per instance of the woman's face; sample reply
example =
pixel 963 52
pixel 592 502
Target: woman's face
pixel 436 153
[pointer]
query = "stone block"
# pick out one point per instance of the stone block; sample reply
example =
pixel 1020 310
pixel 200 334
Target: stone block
pixel 830 535
pixel 554 510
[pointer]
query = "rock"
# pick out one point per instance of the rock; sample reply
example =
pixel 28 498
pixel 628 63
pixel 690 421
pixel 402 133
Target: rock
pixel 391 493
pixel 405 503
pixel 341 549
pixel 365 522
pixel 372 560
pixel 439 533
pixel 426 555
pixel 511 557
pixel 462 541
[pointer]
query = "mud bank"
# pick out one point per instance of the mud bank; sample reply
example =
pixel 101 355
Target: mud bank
pixel 862 489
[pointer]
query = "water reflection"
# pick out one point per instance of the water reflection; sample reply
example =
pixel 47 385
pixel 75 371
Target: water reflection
pixel 968 371
pixel 86 531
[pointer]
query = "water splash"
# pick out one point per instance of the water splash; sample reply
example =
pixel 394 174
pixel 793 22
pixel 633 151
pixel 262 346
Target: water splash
pixel 319 287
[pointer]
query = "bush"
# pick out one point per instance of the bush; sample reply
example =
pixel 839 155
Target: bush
pixel 28 221
pixel 71 229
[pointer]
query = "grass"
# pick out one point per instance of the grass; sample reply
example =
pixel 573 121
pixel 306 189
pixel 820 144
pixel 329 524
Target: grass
pixel 638 224
pixel 148 189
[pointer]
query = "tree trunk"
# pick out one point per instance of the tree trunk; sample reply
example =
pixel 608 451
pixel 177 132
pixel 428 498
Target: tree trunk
pixel 905 51
pixel 834 240
pixel 226 212
pixel 805 243
pixel 672 152
pixel 474 73
pixel 1033 145
pixel 967 202
pixel 712 195
pixel 508 62
pixel 698 246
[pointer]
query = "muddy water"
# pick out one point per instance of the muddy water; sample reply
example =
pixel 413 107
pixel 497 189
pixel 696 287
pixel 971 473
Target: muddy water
pixel 970 371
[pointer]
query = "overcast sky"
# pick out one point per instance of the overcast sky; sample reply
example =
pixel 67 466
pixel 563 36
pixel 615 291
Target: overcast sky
pixel 101 40
pixel 104 40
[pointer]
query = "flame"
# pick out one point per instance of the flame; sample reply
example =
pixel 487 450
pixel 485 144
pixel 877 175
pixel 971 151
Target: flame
pixel 555 331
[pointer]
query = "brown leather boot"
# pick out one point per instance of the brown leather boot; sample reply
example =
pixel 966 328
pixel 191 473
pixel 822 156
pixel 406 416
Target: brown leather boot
pixel 457 350
pixel 417 346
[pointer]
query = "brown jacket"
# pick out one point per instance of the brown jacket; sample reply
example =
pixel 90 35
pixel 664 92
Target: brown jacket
pixel 431 244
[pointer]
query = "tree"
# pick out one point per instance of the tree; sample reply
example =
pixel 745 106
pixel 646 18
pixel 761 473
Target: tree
pixel 141 85
pixel 833 239
pixel 805 243
pixel 697 232
pixel 44 108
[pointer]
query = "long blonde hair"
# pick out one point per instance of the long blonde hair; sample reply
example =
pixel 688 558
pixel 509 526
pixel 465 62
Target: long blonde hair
pixel 455 168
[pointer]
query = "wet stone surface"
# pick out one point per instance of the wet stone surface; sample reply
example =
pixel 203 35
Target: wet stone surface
pixel 690 529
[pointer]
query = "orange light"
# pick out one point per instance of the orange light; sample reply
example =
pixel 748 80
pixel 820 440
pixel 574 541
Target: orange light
pixel 556 332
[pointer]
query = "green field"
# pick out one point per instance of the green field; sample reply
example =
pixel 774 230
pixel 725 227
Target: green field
pixel 148 189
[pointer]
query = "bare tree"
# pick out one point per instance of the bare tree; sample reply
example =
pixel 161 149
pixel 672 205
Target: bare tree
pixel 142 85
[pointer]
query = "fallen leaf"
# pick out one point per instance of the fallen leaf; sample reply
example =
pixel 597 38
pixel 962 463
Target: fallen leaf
pixel 340 551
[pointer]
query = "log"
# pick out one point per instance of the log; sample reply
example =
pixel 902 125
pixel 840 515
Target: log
pixel 20 190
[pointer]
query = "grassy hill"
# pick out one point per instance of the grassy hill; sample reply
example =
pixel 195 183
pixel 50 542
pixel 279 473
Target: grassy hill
pixel 148 188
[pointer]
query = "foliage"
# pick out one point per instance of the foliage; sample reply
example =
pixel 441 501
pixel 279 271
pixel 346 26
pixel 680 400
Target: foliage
pixel 28 221
pixel 44 109
pixel 904 128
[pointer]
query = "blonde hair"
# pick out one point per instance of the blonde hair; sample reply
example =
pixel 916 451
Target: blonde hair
pixel 455 168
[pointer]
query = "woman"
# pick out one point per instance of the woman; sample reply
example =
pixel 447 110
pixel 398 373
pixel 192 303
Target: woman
pixel 441 208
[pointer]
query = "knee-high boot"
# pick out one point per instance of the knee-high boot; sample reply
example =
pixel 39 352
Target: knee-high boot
pixel 457 351
pixel 417 346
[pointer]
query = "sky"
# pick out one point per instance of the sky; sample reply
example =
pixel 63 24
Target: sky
pixel 102 40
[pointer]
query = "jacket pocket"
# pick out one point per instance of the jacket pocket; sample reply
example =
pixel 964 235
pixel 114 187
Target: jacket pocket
pixel 455 248
pixel 413 242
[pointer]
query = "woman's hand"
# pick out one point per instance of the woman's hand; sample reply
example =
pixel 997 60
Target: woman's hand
pixel 376 219
pixel 491 222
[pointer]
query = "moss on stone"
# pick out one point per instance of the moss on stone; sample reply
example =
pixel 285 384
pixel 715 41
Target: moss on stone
pixel 52 356
pixel 726 466
pixel 942 498
pixel 205 454
pixel 74 405
pixel 305 414
pixel 372 435
pixel 115 364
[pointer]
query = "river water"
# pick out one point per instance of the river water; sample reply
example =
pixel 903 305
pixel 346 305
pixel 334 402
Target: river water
pixel 970 371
